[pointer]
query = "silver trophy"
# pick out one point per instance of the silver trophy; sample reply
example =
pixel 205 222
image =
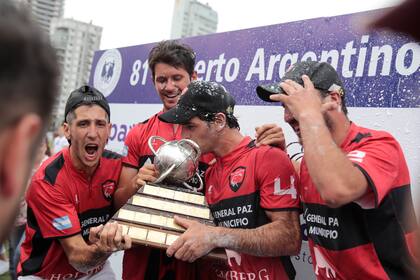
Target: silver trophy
pixel 177 161
pixel 148 217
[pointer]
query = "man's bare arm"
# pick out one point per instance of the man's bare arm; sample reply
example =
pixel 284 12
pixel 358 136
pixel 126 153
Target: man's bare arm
pixel 126 187
pixel 281 237
pixel 104 240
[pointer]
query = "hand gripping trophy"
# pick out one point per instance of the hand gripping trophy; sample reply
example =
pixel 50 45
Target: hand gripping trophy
pixel 148 216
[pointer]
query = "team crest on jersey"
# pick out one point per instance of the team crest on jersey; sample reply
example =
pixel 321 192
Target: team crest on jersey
pixel 108 189
pixel 236 178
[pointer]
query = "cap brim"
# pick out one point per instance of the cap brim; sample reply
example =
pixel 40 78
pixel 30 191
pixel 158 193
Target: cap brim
pixel 177 115
pixel 265 91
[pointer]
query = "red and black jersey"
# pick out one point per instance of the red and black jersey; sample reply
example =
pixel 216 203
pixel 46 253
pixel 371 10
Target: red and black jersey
pixel 240 187
pixel 138 151
pixel 142 262
pixel 63 202
pixel 369 238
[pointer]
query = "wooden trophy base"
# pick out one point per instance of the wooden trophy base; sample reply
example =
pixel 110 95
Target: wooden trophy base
pixel 148 216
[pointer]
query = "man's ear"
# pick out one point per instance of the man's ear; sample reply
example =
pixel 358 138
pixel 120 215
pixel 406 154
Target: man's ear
pixel 66 130
pixel 109 132
pixel 335 96
pixel 194 76
pixel 332 102
pixel 17 150
pixel 220 121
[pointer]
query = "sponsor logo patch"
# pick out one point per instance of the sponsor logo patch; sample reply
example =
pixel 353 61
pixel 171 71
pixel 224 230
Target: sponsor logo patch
pixel 108 189
pixel 236 178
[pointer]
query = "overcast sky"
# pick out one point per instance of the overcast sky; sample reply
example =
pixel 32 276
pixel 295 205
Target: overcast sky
pixel 134 22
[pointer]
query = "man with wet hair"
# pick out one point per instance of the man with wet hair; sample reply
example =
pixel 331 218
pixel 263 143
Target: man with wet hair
pixel 354 181
pixel 70 199
pixel 28 89
pixel 250 191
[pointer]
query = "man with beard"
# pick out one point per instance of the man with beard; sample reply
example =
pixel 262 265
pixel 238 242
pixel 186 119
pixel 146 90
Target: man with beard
pixel 354 181
pixel 172 67
pixel 70 199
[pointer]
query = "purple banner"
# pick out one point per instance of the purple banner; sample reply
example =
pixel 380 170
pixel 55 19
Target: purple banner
pixel 379 69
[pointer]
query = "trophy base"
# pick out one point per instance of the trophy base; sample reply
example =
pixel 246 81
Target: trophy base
pixel 148 217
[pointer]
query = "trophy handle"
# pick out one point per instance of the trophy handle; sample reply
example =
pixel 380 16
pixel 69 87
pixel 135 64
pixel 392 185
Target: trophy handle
pixel 165 174
pixel 192 188
pixel 193 144
pixel 149 142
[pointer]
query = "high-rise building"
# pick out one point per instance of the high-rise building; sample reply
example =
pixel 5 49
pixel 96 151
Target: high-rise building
pixel 45 10
pixel 75 43
pixel 192 18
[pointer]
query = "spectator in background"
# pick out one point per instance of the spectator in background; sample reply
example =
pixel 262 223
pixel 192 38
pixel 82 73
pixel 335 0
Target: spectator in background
pixel 60 141
pixel 4 263
pixel 28 88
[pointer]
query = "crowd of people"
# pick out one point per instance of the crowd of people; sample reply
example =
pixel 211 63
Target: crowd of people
pixel 56 208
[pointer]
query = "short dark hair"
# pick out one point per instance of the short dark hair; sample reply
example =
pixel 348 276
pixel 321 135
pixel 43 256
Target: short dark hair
pixel 231 120
pixel 173 53
pixel 29 70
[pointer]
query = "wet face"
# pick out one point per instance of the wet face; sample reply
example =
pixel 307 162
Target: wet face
pixel 201 132
pixel 169 83
pixel 294 124
pixel 88 133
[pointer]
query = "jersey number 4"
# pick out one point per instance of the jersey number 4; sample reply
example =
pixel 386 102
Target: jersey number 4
pixel 287 191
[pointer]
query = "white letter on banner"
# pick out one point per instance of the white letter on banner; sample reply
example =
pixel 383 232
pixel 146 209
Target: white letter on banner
pixel 257 65
pixel 210 68
pixel 402 54
pixel 332 55
pixel 220 62
pixel 200 68
pixel 271 63
pixel 229 74
pixel 135 73
pixel 347 53
pixel 361 57
pixel 309 55
pixel 386 65
pixel 287 60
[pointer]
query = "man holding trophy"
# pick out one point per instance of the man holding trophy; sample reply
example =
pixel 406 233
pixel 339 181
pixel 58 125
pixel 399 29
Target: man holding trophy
pixel 250 191
pixel 172 66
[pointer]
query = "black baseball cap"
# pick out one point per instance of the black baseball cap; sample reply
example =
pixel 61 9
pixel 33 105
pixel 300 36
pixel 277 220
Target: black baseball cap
pixel 86 95
pixel 202 98
pixel 323 76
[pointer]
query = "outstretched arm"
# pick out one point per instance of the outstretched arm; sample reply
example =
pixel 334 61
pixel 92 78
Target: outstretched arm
pixel 103 241
pixel 280 237
pixel 126 187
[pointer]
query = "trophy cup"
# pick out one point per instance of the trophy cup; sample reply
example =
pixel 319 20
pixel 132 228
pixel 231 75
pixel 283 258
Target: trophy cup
pixel 148 216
